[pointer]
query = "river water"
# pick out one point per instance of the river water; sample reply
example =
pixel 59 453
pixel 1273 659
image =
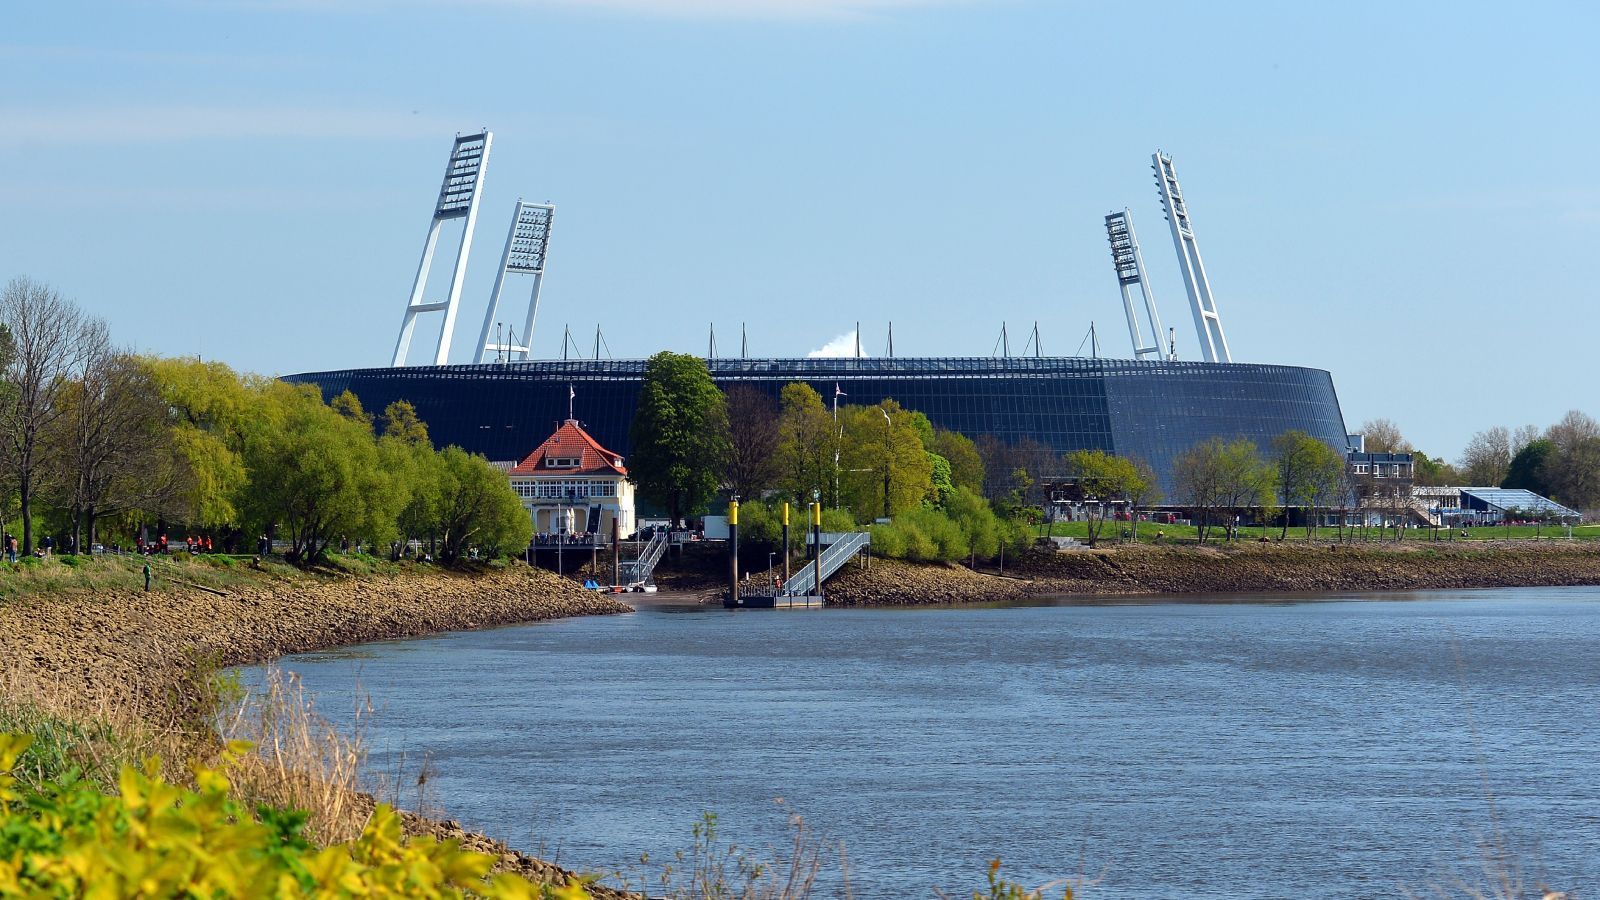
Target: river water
pixel 1342 747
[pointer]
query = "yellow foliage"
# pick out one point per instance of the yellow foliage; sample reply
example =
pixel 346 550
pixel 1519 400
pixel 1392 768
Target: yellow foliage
pixel 156 839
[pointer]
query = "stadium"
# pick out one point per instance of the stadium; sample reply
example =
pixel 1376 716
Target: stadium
pixel 1152 407
pixel 1153 410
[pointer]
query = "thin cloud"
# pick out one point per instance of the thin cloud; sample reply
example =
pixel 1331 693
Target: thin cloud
pixel 28 126
pixel 842 346
pixel 726 9
pixel 754 9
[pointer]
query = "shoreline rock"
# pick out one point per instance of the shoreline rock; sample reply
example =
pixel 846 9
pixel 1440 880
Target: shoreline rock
pixel 129 649
pixel 132 654
pixel 1242 568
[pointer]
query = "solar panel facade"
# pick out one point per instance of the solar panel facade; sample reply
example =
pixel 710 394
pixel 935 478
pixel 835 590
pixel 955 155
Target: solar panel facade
pixel 1153 410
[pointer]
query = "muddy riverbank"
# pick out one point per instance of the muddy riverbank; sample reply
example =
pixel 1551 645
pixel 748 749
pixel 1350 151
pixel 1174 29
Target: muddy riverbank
pixel 1237 569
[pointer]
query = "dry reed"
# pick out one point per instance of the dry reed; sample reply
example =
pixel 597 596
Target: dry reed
pixel 300 760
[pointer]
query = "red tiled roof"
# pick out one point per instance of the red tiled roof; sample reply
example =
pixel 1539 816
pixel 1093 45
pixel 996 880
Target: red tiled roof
pixel 571 442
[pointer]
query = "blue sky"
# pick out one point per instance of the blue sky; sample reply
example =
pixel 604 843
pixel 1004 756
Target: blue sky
pixel 1405 194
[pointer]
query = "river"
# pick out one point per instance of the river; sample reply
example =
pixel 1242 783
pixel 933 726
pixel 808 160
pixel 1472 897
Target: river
pixel 1286 747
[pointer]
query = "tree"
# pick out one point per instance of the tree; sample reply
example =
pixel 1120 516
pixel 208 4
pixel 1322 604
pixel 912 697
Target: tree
pixel 806 437
pixel 1527 470
pixel 349 405
pixel 966 466
pixel 46 348
pixel 884 469
pixel 477 507
pixel 1487 457
pixel 680 434
pixel 1427 470
pixel 317 475
pixel 940 486
pixel 111 449
pixel 1216 477
pixel 1002 462
pixel 753 432
pixel 1383 436
pixel 1142 491
pixel 1246 482
pixel 1572 468
pixel 1308 473
pixel 212 414
pixel 1196 474
pixel 1105 481
pixel 400 422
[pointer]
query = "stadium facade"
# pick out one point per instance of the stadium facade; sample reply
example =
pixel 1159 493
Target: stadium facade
pixel 1150 409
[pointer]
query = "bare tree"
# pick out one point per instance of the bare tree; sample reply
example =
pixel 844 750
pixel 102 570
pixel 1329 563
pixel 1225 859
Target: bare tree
pixel 752 441
pixel 1572 468
pixel 46 331
pixel 1523 436
pixel 1487 456
pixel 109 450
pixel 1383 436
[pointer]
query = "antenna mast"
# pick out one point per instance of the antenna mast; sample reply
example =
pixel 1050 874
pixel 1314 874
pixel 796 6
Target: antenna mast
pixel 527 247
pixel 458 198
pixel 1206 320
pixel 1129 265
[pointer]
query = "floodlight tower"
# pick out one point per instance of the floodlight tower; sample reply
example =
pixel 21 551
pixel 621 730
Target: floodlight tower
pixel 1206 320
pixel 458 198
pixel 527 247
pixel 1129 264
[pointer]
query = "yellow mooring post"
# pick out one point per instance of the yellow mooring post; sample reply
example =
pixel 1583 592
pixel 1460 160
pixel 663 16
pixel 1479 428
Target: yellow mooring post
pixel 733 551
pixel 816 538
pixel 786 542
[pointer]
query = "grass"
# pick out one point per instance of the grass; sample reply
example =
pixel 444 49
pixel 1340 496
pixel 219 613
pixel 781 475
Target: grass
pixel 1180 534
pixel 61 574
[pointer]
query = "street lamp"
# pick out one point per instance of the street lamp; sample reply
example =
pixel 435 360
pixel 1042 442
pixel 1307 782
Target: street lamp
pixel 888 429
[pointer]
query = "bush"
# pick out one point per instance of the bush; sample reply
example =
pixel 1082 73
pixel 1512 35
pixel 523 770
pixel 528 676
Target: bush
pixel 73 561
pixel 157 839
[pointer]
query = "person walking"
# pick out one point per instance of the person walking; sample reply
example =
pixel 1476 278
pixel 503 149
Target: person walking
pixel 11 547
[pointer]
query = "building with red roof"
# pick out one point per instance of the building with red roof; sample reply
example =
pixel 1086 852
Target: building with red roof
pixel 570 484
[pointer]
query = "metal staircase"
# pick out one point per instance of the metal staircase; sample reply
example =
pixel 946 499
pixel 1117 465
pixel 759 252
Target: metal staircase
pixel 638 571
pixel 844 548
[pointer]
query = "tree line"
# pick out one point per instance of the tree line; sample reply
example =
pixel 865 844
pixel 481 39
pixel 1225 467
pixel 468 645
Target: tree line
pixel 932 492
pixel 1561 461
pixel 102 444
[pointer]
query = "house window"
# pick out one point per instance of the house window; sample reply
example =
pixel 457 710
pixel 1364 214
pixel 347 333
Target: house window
pixel 561 462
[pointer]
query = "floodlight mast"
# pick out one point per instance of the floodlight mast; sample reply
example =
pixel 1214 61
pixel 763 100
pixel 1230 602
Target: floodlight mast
pixel 1207 322
pixel 527 248
pixel 1129 265
pixel 458 198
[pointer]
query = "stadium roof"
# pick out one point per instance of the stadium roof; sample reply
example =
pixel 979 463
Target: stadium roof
pixel 1518 499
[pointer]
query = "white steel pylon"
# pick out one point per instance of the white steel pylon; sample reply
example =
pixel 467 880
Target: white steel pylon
pixel 527 248
pixel 1129 264
pixel 458 198
pixel 1206 320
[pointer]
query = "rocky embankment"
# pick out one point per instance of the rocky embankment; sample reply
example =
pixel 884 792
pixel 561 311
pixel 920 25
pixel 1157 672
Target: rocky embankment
pixel 129 654
pixel 1229 570
pixel 892 582
pixel 1293 568
pixel 133 651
